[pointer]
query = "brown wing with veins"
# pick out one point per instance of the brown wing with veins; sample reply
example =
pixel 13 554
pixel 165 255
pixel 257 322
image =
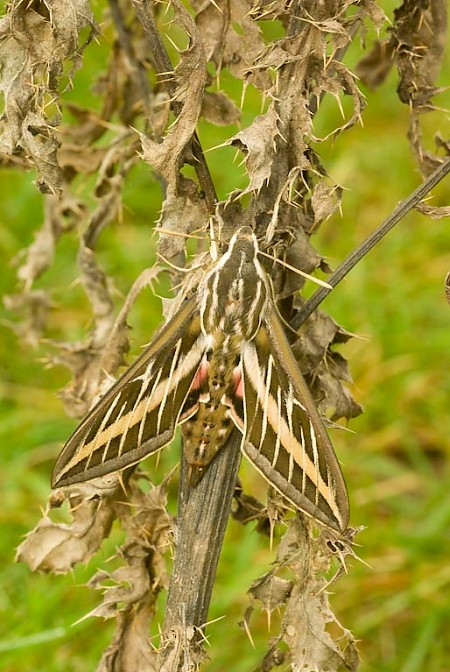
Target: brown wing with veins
pixel 285 437
pixel 138 415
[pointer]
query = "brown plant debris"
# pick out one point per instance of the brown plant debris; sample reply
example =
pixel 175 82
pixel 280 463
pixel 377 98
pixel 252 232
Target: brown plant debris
pixel 150 98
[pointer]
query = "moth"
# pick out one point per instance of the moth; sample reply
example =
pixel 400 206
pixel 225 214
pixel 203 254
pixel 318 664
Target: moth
pixel 222 361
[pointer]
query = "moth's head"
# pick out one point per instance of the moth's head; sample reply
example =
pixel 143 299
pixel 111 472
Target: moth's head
pixel 245 233
pixel 245 241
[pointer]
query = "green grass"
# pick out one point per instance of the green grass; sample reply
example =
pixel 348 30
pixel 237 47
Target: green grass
pixel 396 463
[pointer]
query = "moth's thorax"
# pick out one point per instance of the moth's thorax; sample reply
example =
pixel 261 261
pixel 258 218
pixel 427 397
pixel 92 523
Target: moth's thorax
pixel 233 294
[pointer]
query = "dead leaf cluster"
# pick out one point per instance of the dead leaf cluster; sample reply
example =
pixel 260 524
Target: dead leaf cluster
pixel 149 111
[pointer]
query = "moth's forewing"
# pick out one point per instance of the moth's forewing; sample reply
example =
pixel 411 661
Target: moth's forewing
pixel 285 437
pixel 139 413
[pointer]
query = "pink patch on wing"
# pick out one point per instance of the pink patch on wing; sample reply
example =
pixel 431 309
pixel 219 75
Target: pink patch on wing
pixel 237 381
pixel 201 375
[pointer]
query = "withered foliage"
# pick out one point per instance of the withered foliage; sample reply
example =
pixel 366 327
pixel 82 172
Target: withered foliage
pixel 151 118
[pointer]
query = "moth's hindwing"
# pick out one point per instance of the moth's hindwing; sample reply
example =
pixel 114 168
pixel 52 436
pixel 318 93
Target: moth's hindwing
pixel 284 436
pixel 138 415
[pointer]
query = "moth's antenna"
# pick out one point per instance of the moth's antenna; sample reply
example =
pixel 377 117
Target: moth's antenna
pixel 322 283
pixel 214 249
pixel 181 269
pixel 178 234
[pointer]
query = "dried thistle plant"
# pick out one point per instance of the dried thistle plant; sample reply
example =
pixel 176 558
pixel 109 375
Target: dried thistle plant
pixel 287 196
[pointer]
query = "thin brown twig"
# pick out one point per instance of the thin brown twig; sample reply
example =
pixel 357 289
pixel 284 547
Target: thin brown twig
pixel 163 66
pixel 366 246
pixel 125 42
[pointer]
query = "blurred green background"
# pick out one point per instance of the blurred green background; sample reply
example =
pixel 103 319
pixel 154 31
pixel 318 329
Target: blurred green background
pixel 396 463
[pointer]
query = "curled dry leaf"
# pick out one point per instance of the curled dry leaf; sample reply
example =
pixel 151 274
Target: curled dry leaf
pixel 315 638
pixel 297 253
pixel 334 397
pixel 57 547
pixel 130 592
pixel 307 627
pixel 337 80
pixel 183 211
pixel 376 14
pixel 79 159
pixel 325 200
pixel 60 215
pixel 419 38
pixel 130 650
pixel 132 588
pixel 258 143
pixel 106 345
pixel 313 634
pixel 232 39
pixel 271 590
pixel 35 42
pixel 116 346
pixel 416 46
pixel 35 306
pixel 103 351
pixel 83 358
pixel 433 211
pixel 219 109
pixel 319 334
pixel 96 286
pixel 166 157
pixel 247 508
pixel 325 369
pixel 41 147
pixel 375 66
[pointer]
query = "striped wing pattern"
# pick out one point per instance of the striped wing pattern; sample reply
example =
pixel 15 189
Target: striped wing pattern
pixel 284 436
pixel 139 413
pixel 223 355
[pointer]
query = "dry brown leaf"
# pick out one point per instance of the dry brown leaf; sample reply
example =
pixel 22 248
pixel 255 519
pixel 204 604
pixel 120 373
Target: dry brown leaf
pixel 258 143
pixel 130 592
pixel 60 216
pixel 416 46
pixel 271 590
pixel 325 200
pixel 305 627
pixel 167 156
pixel 34 305
pixel 57 547
pixel 219 109
pixel 130 649
pixel 34 44
pixel 105 349
pixel 183 210
pixel 434 211
pixel 232 39
pixel 324 369
pixel 308 624
pixel 374 68
pixel 315 639
pixel 419 38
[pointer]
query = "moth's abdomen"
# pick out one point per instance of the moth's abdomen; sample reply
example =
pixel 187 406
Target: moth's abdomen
pixel 207 430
